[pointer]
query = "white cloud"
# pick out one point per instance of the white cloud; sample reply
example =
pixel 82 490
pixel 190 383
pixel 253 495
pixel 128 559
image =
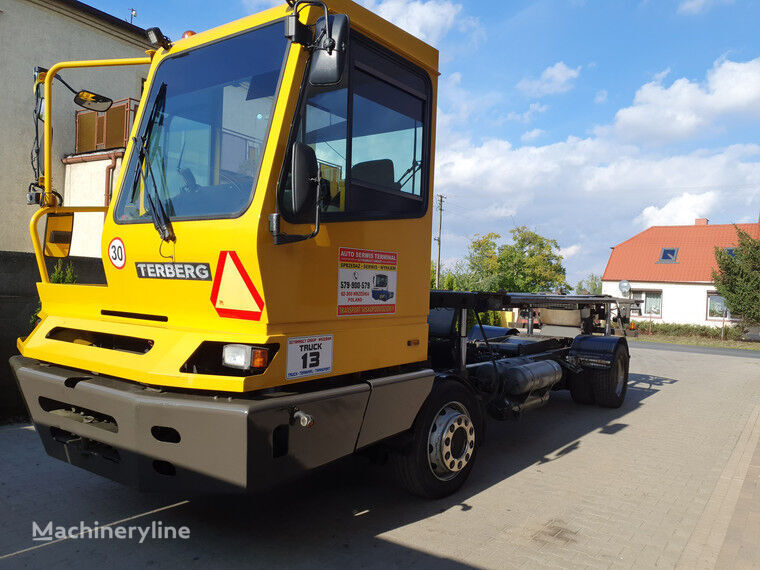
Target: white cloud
pixel 531 135
pixel 660 76
pixel 601 96
pixel 429 20
pixel 569 251
pixel 457 105
pixel 687 108
pixel 527 116
pixel 699 6
pixel 500 212
pixel 679 211
pixel 557 78
pixel 563 190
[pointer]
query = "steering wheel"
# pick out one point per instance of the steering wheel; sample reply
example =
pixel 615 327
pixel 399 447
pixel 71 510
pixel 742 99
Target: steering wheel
pixel 232 182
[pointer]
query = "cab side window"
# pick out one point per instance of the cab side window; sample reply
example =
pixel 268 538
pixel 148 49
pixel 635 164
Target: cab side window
pixel 325 129
pixel 371 137
pixel 386 145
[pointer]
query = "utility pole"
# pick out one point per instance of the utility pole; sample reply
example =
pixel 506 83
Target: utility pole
pixel 441 198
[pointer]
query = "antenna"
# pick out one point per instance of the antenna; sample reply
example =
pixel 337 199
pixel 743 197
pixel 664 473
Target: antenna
pixel 132 14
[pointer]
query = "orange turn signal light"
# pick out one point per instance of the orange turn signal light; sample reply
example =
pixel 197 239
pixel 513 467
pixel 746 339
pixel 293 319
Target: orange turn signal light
pixel 259 358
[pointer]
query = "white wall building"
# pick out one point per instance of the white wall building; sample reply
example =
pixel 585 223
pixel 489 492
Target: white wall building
pixel 42 33
pixel 670 270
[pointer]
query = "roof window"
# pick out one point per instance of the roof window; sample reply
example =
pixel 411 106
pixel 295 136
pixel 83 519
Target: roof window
pixel 668 255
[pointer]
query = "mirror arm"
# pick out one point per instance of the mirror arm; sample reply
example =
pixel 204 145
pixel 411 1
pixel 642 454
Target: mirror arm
pixel 281 239
pixel 297 32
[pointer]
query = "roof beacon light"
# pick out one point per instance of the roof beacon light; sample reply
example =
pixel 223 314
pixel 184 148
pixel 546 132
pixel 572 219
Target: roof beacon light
pixel 157 39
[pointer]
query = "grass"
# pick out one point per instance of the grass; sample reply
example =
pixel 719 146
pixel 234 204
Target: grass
pixel 697 341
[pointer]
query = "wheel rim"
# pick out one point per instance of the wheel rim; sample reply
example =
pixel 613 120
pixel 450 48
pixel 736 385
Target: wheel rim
pixel 451 441
pixel 620 378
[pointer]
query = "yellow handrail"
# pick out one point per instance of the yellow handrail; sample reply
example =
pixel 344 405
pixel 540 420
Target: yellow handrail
pixel 38 253
pixel 47 198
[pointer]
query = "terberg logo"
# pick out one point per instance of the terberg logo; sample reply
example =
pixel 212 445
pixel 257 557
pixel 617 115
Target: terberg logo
pixel 155 531
pixel 186 271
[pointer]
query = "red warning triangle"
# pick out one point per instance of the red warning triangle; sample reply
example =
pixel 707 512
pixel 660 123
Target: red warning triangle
pixel 233 293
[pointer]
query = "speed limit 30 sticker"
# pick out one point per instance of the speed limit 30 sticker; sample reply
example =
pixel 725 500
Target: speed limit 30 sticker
pixel 309 356
pixel 117 254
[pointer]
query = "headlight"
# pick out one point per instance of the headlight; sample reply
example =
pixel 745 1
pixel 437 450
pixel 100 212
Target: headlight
pixel 244 356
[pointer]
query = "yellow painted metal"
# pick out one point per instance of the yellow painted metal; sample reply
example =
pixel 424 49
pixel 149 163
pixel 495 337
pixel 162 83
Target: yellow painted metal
pixel 48 198
pixel 57 226
pixel 34 231
pixel 298 282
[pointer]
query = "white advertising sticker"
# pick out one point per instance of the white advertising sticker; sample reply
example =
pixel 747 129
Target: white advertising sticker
pixel 309 356
pixel 366 282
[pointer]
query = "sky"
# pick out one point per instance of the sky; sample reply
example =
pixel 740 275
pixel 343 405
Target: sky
pixel 585 120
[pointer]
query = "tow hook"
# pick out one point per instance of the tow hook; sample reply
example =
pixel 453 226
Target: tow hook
pixel 302 418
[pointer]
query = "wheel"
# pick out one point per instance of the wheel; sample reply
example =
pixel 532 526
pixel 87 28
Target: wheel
pixel 445 438
pixel 581 389
pixel 611 385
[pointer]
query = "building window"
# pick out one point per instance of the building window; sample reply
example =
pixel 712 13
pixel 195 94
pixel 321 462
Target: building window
pixel 717 309
pixel 668 255
pixel 651 304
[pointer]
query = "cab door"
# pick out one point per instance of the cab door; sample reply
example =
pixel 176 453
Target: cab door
pixel 372 135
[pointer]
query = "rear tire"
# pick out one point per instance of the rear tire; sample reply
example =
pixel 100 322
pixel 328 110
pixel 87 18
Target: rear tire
pixel 446 436
pixel 611 385
pixel 580 388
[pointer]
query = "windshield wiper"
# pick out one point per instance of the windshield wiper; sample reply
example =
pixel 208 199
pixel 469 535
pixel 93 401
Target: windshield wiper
pixel 158 214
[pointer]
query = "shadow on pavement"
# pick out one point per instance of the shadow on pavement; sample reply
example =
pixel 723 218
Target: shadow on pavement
pixel 337 515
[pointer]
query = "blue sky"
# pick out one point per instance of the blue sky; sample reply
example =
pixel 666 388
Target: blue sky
pixel 585 120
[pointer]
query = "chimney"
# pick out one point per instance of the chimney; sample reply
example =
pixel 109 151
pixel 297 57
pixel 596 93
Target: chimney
pixel 701 222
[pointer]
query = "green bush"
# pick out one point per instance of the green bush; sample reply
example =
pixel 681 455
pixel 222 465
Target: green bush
pixel 733 332
pixel 61 274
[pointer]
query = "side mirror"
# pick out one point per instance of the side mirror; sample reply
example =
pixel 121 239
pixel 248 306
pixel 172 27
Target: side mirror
pixel 329 59
pixel 93 101
pixel 305 182
pixel 58 231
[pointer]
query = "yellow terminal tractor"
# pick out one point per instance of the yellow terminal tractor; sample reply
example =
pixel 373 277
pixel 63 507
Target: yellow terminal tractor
pixel 267 254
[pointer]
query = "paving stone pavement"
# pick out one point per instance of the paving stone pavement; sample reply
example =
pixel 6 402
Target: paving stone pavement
pixel 670 479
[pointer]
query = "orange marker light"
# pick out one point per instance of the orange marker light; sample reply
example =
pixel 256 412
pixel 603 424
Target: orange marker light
pixel 187 34
pixel 260 358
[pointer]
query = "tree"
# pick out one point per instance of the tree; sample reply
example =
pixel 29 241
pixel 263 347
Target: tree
pixel 531 263
pixel 737 279
pixel 591 285
pixel 483 262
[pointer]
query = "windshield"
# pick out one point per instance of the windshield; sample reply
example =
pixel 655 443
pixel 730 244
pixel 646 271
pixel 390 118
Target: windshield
pixel 212 108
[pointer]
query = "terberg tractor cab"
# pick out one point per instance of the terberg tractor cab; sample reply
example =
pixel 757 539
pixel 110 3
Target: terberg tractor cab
pixel 267 256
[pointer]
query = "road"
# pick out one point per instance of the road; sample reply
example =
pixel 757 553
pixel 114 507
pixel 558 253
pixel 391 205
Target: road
pixel 669 479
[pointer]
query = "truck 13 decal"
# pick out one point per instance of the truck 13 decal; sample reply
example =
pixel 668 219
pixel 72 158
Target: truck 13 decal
pixel 309 356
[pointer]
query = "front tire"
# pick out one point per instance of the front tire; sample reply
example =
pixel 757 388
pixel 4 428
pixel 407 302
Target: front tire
pixel 446 436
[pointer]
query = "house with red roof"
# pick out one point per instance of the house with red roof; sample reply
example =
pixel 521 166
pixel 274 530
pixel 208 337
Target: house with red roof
pixel 670 271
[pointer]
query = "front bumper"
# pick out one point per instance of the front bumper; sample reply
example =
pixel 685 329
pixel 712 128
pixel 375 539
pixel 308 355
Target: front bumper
pixel 158 440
